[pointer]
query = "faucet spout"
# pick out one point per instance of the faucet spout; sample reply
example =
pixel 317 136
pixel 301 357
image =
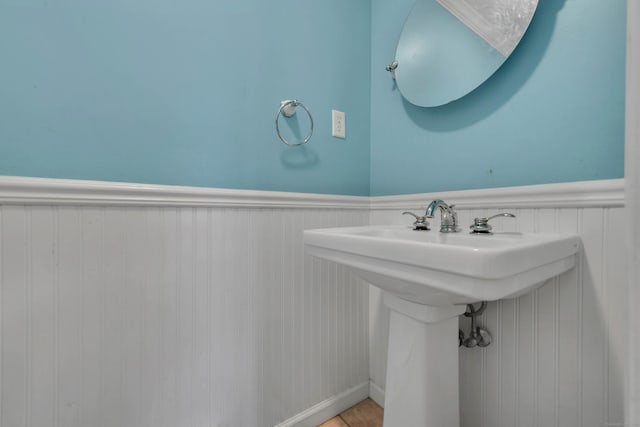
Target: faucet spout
pixel 435 205
pixel 449 219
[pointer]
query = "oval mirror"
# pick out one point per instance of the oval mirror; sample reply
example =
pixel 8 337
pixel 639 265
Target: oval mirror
pixel 448 48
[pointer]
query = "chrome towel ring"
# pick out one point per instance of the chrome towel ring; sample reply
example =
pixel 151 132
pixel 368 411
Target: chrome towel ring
pixel 288 109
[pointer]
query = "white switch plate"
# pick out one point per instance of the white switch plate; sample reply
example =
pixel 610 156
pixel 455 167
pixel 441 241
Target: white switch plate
pixel 338 125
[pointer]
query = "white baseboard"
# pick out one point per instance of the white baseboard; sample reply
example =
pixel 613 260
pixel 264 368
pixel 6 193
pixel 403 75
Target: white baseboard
pixel 328 408
pixel 376 393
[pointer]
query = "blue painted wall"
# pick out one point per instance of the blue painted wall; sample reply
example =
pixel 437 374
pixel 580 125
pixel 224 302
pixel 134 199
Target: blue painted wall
pixel 185 92
pixel 553 113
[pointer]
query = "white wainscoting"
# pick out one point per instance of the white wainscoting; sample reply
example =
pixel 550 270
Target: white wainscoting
pixel 128 305
pixel 558 354
pixel 118 315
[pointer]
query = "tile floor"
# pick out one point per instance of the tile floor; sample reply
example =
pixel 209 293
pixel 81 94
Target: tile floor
pixel 365 414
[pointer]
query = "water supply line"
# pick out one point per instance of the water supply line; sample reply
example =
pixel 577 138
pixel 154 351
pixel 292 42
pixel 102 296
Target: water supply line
pixel 478 336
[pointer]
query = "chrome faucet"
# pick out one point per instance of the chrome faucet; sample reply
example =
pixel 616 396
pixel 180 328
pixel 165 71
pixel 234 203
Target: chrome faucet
pixel 449 219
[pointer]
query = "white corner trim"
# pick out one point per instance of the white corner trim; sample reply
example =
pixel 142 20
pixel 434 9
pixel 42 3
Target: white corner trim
pixel 604 193
pixel 376 393
pixel 45 191
pixel 328 408
pixel 632 178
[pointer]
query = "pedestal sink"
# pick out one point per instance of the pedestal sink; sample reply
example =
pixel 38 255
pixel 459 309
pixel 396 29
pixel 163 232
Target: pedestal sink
pixel 428 278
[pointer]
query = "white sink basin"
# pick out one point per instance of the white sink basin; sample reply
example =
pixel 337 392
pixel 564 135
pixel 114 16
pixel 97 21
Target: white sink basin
pixel 428 277
pixel 429 267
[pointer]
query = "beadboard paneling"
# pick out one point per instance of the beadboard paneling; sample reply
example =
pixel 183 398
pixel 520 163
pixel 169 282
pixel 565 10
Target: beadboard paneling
pixel 173 316
pixel 145 313
pixel 558 353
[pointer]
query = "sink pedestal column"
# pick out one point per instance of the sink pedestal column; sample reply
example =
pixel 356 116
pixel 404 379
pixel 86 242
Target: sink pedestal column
pixel 422 365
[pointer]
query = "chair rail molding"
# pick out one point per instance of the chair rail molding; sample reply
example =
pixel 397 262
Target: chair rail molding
pixel 50 191
pixel 47 191
pixel 582 194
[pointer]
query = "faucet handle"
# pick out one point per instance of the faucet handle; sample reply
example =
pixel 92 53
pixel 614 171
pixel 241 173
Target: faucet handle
pixel 505 214
pixel 420 223
pixel 481 225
